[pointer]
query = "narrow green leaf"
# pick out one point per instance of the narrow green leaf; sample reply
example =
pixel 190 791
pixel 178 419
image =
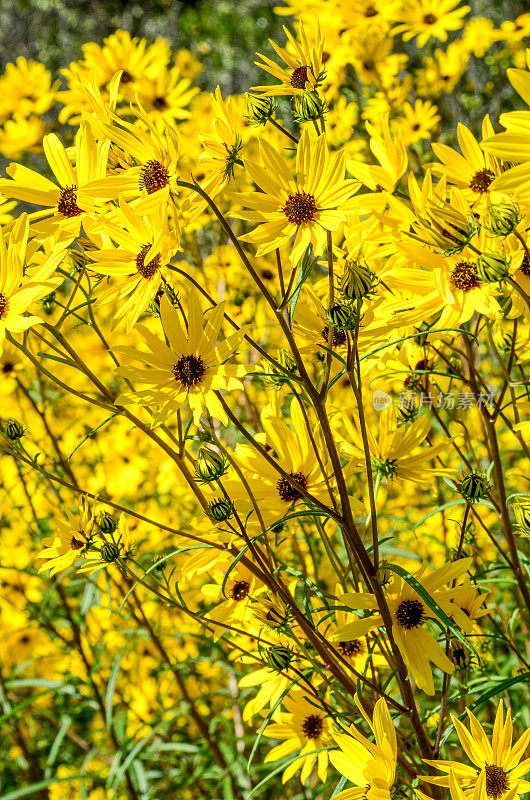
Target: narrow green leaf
pixel 267 720
pixel 111 686
pixel 306 267
pixel 89 435
pixel 432 604
pixel 122 769
pixel 499 688
pixel 57 358
pixel 56 744
pixel 339 787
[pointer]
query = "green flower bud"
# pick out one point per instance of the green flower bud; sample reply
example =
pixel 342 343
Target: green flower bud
pixel 357 280
pixel 502 337
pixel 159 564
pixel 110 552
pixel 259 108
pixel 286 360
pixel 13 429
pixel 210 465
pixel 340 315
pixel 220 510
pixel 276 377
pixel 48 303
pixel 444 228
pixel 384 574
pixel 492 267
pixel 423 336
pixel 308 107
pixel 106 522
pixel 460 657
pixel 271 611
pixel 279 658
pixel 474 486
pixel 503 218
pixel 521 509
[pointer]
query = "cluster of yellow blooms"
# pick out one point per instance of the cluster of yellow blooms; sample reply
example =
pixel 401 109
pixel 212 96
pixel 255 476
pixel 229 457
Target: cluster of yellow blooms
pixel 265 468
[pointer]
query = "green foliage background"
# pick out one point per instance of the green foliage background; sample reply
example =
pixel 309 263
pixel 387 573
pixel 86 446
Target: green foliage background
pixel 224 34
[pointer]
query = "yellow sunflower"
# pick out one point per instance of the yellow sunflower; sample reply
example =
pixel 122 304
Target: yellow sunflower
pixel 473 171
pixel 409 614
pixel 499 763
pixel 191 367
pixel 293 450
pixel 429 18
pixel 17 289
pixel 394 452
pixel 234 607
pixel 167 96
pixel 303 65
pixel 304 727
pixel 304 207
pixel 136 262
pixel 370 766
pixel 71 540
pixel 65 206
pixel 146 160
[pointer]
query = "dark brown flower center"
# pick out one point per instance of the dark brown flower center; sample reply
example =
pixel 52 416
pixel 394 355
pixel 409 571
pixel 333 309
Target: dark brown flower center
pixel 300 208
pixel 240 590
pixel 339 336
pixel 496 780
pixel 481 180
pixel 313 726
pixel 7 366
pixel 289 493
pixel 410 614
pixel 147 270
pixel 429 19
pixel 299 77
pixel 189 370
pixel 154 176
pixel 525 266
pixel 67 203
pixel 464 276
pixel 3 304
pixel 76 544
pixel 160 103
pixel 353 648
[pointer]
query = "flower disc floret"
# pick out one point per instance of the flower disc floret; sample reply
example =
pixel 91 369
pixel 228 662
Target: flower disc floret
pixel 410 614
pixel 465 276
pixel 299 77
pixel 189 370
pixel 240 590
pixel 496 780
pixel 67 203
pixel 300 208
pixel 481 180
pixel 151 268
pixel 313 726
pixel 154 176
pixel 288 493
